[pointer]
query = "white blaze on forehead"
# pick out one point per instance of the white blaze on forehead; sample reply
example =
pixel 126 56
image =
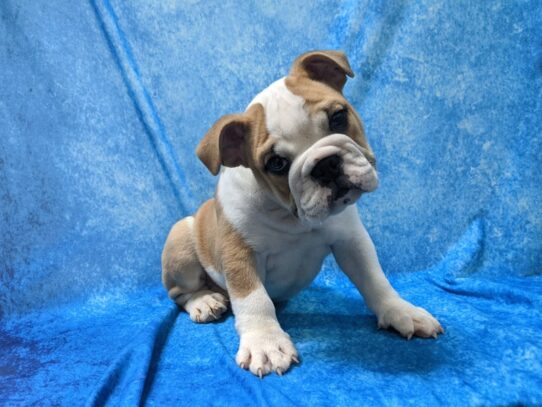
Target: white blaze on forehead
pixel 284 111
pixel 287 119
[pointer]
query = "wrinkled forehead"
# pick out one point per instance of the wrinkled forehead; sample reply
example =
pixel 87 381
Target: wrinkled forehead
pixel 288 120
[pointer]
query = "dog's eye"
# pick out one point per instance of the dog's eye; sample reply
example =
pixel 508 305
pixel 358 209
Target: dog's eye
pixel 338 121
pixel 277 165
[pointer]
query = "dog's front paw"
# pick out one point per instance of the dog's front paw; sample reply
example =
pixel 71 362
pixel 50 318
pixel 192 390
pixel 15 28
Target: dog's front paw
pixel 409 320
pixel 266 351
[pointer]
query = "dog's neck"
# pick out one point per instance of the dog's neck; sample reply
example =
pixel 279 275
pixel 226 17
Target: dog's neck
pixel 244 201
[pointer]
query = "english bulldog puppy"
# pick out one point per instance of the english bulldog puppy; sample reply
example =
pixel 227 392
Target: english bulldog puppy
pixel 292 167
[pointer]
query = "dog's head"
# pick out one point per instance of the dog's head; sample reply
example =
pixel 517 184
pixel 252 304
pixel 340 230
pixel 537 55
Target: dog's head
pixel 302 140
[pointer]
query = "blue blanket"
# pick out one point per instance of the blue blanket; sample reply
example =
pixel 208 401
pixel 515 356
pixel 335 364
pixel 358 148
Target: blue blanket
pixel 101 106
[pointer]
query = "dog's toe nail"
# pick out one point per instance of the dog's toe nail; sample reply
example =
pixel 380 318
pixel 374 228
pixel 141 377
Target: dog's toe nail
pixel 260 372
pixel 279 372
pixel 295 359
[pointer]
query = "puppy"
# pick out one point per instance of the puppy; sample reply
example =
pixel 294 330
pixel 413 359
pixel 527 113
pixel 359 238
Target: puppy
pixel 294 165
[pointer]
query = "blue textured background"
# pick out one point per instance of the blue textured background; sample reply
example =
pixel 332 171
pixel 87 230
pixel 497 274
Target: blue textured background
pixel 101 106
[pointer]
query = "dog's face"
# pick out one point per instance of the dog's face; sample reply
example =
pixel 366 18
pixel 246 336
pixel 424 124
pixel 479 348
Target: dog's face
pixel 302 140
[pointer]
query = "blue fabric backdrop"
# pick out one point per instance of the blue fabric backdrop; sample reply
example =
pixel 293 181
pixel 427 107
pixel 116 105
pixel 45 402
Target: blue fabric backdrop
pixel 101 106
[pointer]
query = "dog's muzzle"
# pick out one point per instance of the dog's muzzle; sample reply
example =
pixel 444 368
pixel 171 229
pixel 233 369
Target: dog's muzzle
pixel 330 175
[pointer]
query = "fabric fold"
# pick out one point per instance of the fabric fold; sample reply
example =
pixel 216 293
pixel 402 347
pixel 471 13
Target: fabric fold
pixel 129 378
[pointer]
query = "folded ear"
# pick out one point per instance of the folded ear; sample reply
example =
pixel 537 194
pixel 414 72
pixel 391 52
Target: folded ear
pixel 329 67
pixel 228 141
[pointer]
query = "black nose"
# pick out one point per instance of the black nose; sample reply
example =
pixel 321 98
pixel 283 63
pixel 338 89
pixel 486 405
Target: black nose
pixel 327 169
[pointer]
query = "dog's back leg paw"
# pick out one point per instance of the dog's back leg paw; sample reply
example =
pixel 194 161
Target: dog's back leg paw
pixel 206 306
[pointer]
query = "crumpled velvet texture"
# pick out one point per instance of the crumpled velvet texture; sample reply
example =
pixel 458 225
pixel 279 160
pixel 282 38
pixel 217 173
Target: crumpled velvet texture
pixel 101 106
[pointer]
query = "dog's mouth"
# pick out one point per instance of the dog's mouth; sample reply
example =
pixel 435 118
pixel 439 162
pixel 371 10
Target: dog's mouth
pixel 341 197
pixel 328 177
pixel 340 187
pixel 339 193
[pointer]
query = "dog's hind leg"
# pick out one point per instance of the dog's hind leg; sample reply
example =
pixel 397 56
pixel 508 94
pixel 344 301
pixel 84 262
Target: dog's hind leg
pixel 184 277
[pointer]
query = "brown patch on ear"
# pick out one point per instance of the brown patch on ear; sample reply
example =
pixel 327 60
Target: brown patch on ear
pixel 230 139
pixel 329 67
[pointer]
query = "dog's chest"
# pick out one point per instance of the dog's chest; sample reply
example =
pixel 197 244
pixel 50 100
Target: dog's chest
pixel 291 263
pixel 288 254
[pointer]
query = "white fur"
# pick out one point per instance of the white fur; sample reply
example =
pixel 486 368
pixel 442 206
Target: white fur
pixel 304 139
pixel 289 253
pixel 264 347
pixel 313 200
pixel 190 221
pixel 217 277
pixel 255 311
pixel 288 120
